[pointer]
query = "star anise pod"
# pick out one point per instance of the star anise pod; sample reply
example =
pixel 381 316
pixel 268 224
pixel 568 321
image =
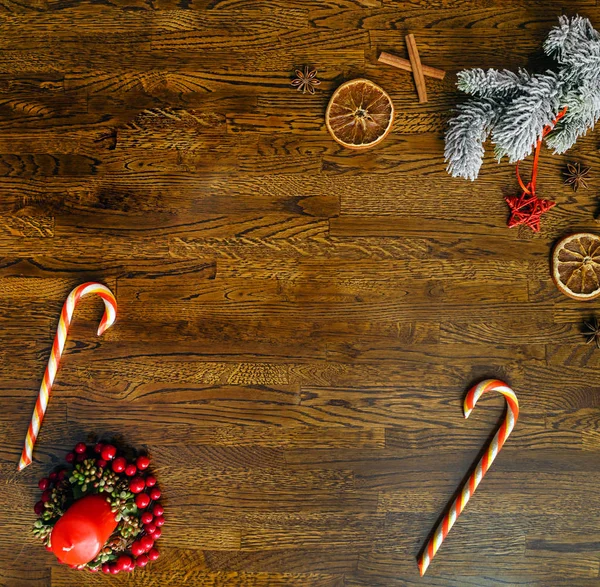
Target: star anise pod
pixel 593 332
pixel 576 176
pixel 306 81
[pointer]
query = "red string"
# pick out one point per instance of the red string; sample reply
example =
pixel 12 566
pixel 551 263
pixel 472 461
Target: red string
pixel 528 208
pixel 530 187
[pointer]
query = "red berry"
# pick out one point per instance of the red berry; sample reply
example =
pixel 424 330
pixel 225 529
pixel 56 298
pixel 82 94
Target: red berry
pixel 158 510
pixel 124 562
pixel 150 481
pixel 80 457
pixel 157 534
pixel 147 518
pixel 159 521
pixel 130 470
pixel 44 483
pixel 155 494
pixel 98 447
pixel 136 485
pixel 136 548
pixel 61 474
pixel 52 476
pixel 142 462
pixel 109 452
pixel 38 508
pixel 147 543
pixel 119 464
pixel 153 554
pixel 46 495
pixel 106 568
pixel 142 500
pixel 101 463
pixel 70 457
pixel 150 529
pixel 142 560
pixel 80 448
pixel 114 569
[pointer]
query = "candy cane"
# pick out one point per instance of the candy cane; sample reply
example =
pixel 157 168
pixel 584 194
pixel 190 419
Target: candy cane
pixel 512 413
pixel 108 319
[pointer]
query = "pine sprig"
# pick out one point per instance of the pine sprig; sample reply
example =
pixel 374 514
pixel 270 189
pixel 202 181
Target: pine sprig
pixel 491 83
pixel 571 37
pixel 466 134
pixel 515 107
pixel 522 122
pixel 582 115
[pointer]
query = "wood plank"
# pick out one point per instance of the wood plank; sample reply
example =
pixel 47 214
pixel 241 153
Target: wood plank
pixel 447 16
pixel 521 491
pixel 297 560
pixel 424 248
pixel 63 578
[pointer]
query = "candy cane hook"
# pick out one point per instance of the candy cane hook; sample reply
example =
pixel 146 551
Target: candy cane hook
pixel 108 319
pixel 512 413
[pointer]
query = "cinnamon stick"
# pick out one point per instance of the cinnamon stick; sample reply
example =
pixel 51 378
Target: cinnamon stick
pixel 417 68
pixel 404 64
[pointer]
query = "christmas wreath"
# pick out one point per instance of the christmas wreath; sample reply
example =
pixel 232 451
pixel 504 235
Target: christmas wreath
pixel 100 511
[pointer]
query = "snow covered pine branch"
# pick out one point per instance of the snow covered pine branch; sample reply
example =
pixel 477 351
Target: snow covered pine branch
pixel 514 108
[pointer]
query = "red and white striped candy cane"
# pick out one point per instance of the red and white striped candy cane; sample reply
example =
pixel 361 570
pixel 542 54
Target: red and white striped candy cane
pixel 108 319
pixel 512 413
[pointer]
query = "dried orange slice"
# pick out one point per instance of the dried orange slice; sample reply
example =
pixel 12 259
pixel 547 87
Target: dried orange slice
pixel 576 266
pixel 360 114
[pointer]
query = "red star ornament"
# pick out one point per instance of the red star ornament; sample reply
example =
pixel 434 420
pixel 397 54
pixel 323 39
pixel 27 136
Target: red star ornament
pixel 527 209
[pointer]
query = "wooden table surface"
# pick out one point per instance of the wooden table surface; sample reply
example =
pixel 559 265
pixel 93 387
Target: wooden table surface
pixel 297 323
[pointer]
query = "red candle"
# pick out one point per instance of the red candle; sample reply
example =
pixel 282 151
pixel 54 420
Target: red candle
pixel 83 530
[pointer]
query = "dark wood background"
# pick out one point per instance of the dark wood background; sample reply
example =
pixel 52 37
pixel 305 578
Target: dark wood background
pixel 297 323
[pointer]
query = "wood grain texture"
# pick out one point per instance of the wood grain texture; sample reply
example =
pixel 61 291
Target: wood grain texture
pixel 298 323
